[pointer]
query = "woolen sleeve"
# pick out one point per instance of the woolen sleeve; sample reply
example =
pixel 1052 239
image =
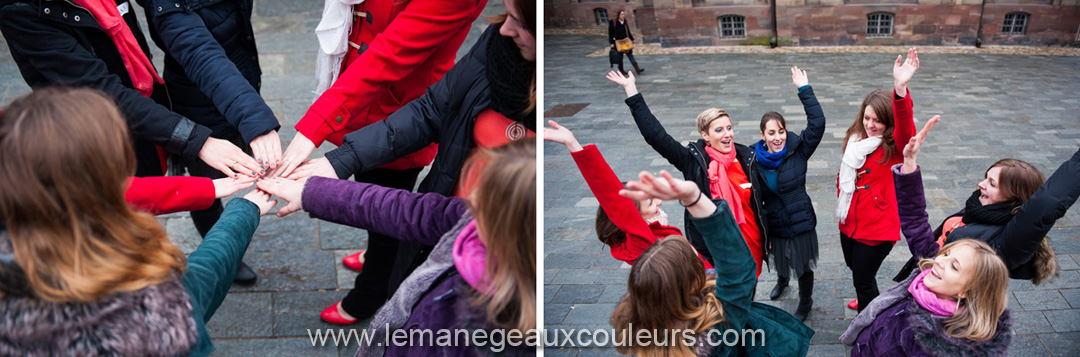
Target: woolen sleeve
pixel 408 41
pixel 212 266
pixel 655 135
pixel 914 221
pixel 412 217
pixel 736 270
pixel 168 194
pixel 904 117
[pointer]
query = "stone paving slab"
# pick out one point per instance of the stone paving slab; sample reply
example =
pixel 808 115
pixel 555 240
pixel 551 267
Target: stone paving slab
pixel 993 106
pixel 297 258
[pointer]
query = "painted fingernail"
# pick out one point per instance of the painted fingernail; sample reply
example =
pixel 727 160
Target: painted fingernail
pixel 260 160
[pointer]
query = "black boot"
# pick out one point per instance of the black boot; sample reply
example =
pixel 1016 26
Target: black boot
pixel 806 293
pixel 245 275
pixel 781 285
pixel 638 69
pixel 621 70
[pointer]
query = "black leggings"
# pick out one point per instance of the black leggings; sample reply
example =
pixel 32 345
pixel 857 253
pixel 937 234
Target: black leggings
pixel 369 291
pixel 864 261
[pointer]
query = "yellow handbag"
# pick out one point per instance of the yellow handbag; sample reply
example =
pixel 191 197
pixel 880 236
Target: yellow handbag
pixel 624 45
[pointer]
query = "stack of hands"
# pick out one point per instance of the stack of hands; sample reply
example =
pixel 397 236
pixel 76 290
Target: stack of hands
pixel 273 173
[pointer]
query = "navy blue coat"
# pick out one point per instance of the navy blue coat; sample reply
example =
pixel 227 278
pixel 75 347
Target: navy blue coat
pixel 56 42
pixel 790 211
pixel 211 64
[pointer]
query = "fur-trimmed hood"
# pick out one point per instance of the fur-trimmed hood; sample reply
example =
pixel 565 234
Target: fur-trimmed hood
pixel 155 320
pixel 929 333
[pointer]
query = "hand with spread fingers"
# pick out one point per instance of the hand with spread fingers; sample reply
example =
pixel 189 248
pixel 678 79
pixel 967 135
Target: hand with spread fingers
pixel 903 70
pixel 313 167
pixel 798 77
pixel 267 151
pixel 561 135
pixel 911 150
pixel 628 82
pixel 298 151
pixel 289 190
pixel 227 158
pixel 666 188
pixel 262 199
pixel 225 187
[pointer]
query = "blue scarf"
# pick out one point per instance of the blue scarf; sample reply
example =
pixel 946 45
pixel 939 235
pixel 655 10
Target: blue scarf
pixel 770 161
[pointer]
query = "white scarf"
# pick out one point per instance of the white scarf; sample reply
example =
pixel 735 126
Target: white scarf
pixel 854 158
pixel 333 34
pixel 660 216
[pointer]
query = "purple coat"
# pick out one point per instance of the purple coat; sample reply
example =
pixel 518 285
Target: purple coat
pixel 894 324
pixel 434 296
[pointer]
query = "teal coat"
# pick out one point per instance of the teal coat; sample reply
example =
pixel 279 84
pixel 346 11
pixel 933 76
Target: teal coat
pixel 784 335
pixel 211 267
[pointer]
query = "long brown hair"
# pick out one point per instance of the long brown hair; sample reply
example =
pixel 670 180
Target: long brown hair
pixel 881 101
pixel 505 210
pixel 667 290
pixel 606 230
pixel 986 295
pixel 66 159
pixel 1018 181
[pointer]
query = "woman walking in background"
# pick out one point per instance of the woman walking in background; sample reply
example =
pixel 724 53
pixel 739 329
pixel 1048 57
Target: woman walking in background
pixel 619 29
pixel 866 203
pixel 781 159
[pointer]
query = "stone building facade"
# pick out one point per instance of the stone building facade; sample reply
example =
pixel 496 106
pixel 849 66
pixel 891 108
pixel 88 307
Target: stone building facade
pixel 831 22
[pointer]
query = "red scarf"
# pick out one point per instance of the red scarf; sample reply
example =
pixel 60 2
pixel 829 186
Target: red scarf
pixel 720 184
pixel 143 75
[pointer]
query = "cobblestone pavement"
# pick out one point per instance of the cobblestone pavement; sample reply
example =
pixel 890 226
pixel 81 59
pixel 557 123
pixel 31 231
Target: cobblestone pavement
pixel 297 257
pixel 992 107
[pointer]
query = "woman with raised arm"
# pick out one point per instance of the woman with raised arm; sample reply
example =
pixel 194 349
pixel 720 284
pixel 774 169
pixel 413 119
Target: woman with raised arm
pixel 866 203
pixel 81 271
pixel 781 158
pixel 668 290
pixel 628 227
pixel 952 304
pixel 481 274
pixel 720 167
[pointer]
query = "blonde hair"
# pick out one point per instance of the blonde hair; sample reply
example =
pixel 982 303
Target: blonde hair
pixel 66 159
pixel 986 295
pixel 505 211
pixel 667 290
pixel 708 116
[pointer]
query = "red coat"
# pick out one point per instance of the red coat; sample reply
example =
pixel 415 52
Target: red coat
pixel 405 46
pixel 873 217
pixel 168 194
pixel 621 210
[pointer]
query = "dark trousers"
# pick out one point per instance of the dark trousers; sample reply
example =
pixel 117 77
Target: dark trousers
pixel 370 291
pixel 628 54
pixel 864 261
pixel 205 219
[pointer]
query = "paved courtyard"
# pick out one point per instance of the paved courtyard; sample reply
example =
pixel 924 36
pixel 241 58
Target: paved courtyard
pixel 992 106
pixel 298 258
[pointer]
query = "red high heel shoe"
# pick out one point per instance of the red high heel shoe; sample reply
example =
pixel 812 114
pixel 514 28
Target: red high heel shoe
pixel 331 315
pixel 354 261
pixel 854 304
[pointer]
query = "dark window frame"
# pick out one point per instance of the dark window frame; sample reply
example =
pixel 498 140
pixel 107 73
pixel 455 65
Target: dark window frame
pixel 731 26
pixel 601 16
pixel 880 24
pixel 1015 23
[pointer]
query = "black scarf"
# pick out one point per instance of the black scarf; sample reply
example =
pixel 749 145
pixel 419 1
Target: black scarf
pixel 510 77
pixel 995 214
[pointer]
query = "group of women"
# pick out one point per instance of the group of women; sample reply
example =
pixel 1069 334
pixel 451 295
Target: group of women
pixel 951 299
pixel 85 269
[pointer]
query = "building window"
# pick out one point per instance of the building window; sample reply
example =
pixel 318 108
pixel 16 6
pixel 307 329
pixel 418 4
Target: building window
pixel 879 24
pixel 601 16
pixel 732 26
pixel 1015 23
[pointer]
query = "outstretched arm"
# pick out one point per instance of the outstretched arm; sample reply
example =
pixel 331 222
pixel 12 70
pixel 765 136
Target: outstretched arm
pixel 815 116
pixel 903 70
pixel 911 201
pixel 1022 235
pixel 650 128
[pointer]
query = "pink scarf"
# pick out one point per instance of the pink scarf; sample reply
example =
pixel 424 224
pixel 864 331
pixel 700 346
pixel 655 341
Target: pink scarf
pixel 928 300
pixel 719 183
pixel 470 258
pixel 142 72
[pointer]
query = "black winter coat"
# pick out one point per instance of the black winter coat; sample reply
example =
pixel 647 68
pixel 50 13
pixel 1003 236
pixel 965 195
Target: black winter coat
pixel 211 64
pixel 1017 240
pixel 445 114
pixel 790 211
pixel 617 31
pixel 60 43
pixel 693 162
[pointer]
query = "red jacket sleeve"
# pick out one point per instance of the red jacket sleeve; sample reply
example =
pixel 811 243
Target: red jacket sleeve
pixel 903 114
pixel 168 194
pixel 621 210
pixel 406 42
